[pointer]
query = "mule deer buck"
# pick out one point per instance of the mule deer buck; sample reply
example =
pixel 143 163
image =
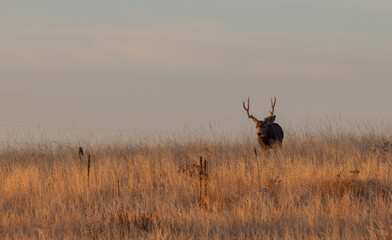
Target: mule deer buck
pixel 268 132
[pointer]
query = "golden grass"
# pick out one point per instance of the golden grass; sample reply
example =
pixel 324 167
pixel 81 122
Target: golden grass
pixel 315 187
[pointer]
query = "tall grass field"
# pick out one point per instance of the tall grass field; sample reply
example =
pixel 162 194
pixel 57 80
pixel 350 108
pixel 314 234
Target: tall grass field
pixel 327 185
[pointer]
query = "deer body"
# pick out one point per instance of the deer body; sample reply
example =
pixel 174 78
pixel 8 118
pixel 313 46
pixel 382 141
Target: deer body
pixel 274 135
pixel 268 132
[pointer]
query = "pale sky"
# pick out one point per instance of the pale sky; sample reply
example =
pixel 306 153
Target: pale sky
pixel 166 65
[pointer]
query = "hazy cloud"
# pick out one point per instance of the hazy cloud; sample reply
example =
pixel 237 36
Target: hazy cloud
pixel 126 72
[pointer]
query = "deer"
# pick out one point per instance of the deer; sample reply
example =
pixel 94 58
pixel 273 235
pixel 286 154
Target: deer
pixel 269 133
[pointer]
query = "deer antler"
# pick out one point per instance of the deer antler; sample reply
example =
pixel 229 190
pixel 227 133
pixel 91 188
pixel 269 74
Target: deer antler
pixel 273 106
pixel 247 111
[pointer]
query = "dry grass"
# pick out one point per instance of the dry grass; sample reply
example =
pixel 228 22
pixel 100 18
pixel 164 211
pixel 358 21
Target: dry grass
pixel 324 187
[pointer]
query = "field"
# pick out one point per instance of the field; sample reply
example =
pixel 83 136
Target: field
pixel 318 186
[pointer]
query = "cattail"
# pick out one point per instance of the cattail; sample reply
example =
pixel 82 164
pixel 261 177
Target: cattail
pixel 201 181
pixel 118 187
pixel 205 179
pixel 80 157
pixel 88 169
pixel 258 167
pixel 203 175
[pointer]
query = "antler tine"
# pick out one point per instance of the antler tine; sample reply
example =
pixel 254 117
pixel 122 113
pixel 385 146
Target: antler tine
pixel 273 106
pixel 247 110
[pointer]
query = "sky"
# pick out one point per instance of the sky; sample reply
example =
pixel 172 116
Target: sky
pixel 170 65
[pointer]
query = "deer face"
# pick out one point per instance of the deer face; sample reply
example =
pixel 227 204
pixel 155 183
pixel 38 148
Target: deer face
pixel 262 126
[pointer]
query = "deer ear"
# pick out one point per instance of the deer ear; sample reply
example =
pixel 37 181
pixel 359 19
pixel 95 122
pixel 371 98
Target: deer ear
pixel 255 121
pixel 271 119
